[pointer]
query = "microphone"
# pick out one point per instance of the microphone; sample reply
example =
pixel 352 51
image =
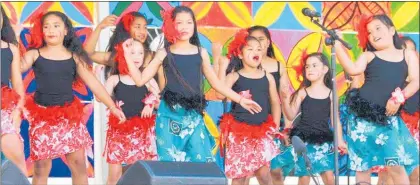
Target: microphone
pixel 310 13
pixel 300 149
pixel 298 145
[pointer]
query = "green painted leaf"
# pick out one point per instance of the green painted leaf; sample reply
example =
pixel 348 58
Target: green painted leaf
pixel 155 9
pixel 121 6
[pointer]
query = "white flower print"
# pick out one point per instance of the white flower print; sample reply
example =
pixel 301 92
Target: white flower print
pixel 381 139
pixel 177 155
pixel 362 138
pixel 405 158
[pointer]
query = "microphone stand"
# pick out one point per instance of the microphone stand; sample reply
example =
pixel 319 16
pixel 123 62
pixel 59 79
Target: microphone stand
pixel 330 42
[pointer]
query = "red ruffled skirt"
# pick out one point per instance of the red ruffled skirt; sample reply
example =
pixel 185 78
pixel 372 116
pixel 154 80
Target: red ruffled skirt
pixel 248 147
pixel 56 130
pixel 130 141
pixel 9 100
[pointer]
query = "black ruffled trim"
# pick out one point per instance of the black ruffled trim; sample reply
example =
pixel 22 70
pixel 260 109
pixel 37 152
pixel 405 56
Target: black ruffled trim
pixel 366 110
pixel 196 102
pixel 312 136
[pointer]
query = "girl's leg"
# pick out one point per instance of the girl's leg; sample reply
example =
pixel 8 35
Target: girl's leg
pixel 414 177
pixel 363 176
pixel 263 175
pixel 114 174
pixel 239 181
pixel 277 176
pixel 77 165
pixel 384 178
pixel 304 180
pixel 42 170
pixel 398 174
pixel 328 178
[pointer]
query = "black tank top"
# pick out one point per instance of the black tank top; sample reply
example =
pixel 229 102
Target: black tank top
pixel 381 79
pixel 54 80
pixel 6 64
pixel 132 97
pixel 176 91
pixel 189 67
pixel 315 117
pixel 259 89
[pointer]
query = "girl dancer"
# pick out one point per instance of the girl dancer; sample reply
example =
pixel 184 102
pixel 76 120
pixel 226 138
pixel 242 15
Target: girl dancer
pixel 12 100
pixel 313 99
pixel 135 138
pixel 180 131
pixel 378 136
pixel 53 112
pixel 249 147
pixel 282 164
pixel 131 25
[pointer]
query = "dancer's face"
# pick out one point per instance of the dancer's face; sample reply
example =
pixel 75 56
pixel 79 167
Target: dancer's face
pixel 137 53
pixel 262 38
pixel 314 69
pixel 380 35
pixel 54 30
pixel 184 24
pixel 138 29
pixel 251 54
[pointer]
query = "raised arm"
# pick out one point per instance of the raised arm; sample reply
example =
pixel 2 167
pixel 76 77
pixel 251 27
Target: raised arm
pixel 90 44
pixel 291 109
pixel 351 68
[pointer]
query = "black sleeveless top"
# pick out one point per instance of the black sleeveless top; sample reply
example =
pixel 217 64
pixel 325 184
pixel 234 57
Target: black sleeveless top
pixel 132 97
pixel 259 89
pixel 54 80
pixel 314 124
pixel 175 91
pixel 6 64
pixel 381 79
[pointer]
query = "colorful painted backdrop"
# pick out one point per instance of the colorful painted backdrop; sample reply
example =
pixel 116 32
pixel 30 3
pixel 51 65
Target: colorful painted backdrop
pixel 218 22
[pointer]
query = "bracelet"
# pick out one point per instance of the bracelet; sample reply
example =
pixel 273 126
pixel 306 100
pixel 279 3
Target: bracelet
pixel 398 96
pixel 150 100
pixel 113 107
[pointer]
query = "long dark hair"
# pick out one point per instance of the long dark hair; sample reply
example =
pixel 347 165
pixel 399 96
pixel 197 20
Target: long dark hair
pixel 71 42
pixel 7 33
pixel 236 63
pixel 270 49
pixel 405 39
pixel 388 23
pixel 306 83
pixel 193 40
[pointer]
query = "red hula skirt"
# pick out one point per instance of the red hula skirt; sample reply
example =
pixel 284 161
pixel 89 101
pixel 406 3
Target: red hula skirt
pixel 248 147
pixel 56 130
pixel 9 100
pixel 130 141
